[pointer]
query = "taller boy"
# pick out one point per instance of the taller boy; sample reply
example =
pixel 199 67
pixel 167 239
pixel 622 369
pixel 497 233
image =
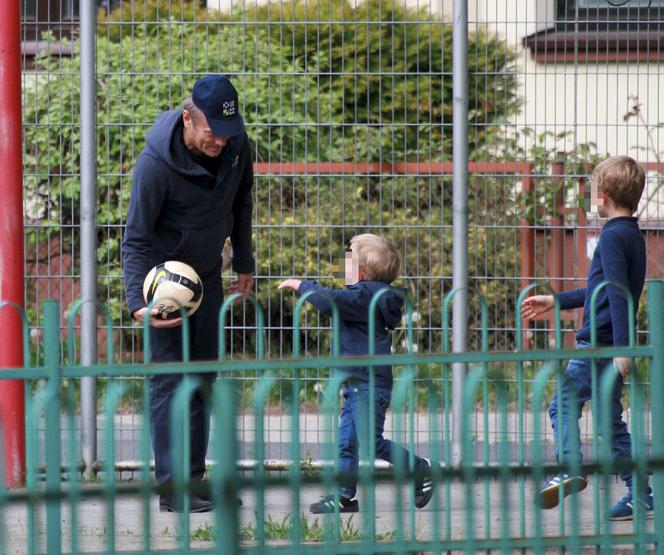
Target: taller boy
pixel 620 257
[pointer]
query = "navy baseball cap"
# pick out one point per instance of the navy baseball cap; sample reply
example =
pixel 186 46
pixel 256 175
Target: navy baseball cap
pixel 216 97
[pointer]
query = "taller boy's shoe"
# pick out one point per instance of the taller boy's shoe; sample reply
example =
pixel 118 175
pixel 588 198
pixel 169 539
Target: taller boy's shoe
pixel 549 494
pixel 328 505
pixel 624 508
pixel 424 489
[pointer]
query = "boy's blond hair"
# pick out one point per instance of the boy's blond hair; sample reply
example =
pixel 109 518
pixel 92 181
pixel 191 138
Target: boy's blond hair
pixel 621 179
pixel 378 257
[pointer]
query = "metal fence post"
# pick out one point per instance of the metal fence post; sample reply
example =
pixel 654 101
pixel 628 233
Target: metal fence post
pixel 53 428
pixel 460 213
pixel 656 338
pixel 12 406
pixel 88 234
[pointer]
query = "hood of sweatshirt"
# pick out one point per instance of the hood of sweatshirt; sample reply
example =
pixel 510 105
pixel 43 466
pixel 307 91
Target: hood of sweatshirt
pixel 165 142
pixel 390 302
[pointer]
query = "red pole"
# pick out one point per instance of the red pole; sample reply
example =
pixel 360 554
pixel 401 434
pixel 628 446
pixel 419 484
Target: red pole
pixel 12 403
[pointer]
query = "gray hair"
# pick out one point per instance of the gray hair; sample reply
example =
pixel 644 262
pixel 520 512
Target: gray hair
pixel 188 104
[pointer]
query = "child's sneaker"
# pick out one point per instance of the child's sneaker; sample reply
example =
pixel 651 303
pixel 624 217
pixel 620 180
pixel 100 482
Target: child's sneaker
pixel 328 505
pixel 424 489
pixel 624 509
pixel 548 495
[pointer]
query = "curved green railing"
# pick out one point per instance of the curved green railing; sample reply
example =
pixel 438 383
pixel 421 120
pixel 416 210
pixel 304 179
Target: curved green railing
pixel 483 504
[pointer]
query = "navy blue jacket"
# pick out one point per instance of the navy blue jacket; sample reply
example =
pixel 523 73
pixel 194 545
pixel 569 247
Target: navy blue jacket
pixel 620 256
pixel 353 304
pixel 180 211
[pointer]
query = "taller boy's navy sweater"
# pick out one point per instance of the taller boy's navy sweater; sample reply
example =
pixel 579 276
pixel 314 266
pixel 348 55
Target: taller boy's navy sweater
pixel 620 256
pixel 180 211
pixel 353 304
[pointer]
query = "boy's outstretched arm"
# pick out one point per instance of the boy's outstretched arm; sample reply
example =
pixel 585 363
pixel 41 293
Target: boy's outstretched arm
pixel 533 306
pixel 351 304
pixel 291 283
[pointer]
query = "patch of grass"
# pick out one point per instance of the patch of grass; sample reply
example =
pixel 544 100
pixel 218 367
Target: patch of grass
pixel 310 531
pixel 204 533
pixel 387 536
pixel 348 531
pixel 248 533
pixel 278 530
pixel 307 466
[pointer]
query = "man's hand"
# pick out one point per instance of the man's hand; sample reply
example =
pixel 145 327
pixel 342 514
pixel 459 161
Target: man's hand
pixel 293 284
pixel 533 306
pixel 243 284
pixel 623 365
pixel 155 318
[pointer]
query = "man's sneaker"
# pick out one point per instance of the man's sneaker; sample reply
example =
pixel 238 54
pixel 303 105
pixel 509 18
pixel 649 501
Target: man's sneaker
pixel 549 494
pixel 424 489
pixel 202 490
pixel 624 509
pixel 168 504
pixel 328 505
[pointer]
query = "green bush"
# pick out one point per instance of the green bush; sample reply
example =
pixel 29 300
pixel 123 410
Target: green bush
pixel 390 67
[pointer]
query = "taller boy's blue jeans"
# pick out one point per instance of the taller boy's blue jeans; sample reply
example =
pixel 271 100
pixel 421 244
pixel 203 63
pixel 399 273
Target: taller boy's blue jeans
pixel 575 391
pixel 353 425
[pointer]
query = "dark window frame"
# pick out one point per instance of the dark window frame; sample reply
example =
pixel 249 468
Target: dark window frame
pixel 600 35
pixel 49 16
pixel 616 16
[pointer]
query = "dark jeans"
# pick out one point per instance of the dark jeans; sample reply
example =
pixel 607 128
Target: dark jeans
pixel 166 346
pixel 353 424
pixel 575 391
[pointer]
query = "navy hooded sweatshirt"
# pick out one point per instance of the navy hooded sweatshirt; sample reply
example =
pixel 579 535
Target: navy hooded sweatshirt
pixel 353 304
pixel 178 210
pixel 620 256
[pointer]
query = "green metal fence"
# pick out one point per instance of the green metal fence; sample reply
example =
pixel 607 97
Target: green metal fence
pixel 486 503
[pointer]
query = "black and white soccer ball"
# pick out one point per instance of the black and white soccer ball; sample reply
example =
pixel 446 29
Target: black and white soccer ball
pixel 172 285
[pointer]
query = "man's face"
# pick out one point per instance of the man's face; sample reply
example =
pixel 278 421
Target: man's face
pixel 199 137
pixel 352 268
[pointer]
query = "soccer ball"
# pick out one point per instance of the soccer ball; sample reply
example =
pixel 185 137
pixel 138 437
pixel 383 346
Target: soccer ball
pixel 172 285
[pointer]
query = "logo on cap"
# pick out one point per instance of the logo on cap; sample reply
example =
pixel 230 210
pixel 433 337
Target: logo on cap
pixel 228 108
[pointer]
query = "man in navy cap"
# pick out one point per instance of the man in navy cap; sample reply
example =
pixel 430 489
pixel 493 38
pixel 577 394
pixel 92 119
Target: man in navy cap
pixel 191 191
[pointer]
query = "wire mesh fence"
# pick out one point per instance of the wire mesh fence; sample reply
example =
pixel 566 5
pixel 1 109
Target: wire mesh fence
pixel 349 108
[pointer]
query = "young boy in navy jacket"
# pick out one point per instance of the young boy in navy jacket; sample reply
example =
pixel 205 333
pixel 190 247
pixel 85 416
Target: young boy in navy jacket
pixel 620 256
pixel 372 264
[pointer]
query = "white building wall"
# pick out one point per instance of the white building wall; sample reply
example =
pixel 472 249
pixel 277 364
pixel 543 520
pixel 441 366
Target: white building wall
pixel 587 100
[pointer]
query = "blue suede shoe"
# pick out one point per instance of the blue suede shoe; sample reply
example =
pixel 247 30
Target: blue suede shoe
pixel 624 509
pixel 549 494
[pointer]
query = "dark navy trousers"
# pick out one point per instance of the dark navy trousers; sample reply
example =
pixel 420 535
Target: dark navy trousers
pixel 353 428
pixel 166 346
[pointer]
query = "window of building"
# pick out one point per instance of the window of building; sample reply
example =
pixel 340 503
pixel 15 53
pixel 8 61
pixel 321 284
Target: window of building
pixel 601 31
pixel 609 14
pixel 56 16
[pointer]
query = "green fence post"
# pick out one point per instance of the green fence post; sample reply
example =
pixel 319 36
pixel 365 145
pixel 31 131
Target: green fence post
pixel 180 431
pixel 114 393
pixel 52 419
pixel 656 338
pixel 225 477
pixel 295 471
